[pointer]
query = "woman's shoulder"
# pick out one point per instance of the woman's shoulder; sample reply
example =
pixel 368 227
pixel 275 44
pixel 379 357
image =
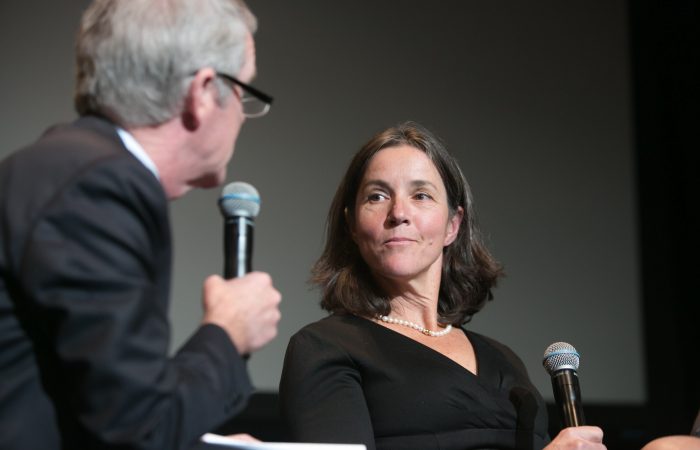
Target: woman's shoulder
pixel 335 336
pixel 487 340
pixel 335 327
pixel 495 349
pixel 332 322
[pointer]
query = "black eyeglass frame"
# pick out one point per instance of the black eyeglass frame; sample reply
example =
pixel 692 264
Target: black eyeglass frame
pixel 260 95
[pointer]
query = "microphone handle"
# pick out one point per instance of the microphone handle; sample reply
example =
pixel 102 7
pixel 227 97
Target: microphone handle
pixel 568 397
pixel 238 246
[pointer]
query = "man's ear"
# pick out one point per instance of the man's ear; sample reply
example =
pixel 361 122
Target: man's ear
pixel 453 226
pixel 200 98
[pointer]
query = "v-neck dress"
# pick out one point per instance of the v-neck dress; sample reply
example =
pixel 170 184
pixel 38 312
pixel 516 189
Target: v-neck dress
pixel 349 380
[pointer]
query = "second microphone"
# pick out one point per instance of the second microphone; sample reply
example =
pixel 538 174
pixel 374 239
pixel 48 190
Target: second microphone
pixel 239 204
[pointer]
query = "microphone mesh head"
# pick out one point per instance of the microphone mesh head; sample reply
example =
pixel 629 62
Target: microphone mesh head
pixel 560 355
pixel 239 199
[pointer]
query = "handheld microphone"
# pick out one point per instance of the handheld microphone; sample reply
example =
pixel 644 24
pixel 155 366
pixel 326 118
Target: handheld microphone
pixel 239 204
pixel 561 361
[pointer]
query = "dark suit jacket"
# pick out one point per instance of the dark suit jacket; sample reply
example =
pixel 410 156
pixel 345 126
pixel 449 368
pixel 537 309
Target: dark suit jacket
pixel 85 263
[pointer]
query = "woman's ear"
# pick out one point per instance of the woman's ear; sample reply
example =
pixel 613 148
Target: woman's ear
pixel 453 226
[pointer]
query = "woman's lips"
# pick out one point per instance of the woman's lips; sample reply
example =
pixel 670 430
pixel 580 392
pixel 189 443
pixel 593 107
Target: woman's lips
pixel 398 241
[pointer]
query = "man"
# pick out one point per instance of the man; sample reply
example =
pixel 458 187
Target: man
pixel 85 249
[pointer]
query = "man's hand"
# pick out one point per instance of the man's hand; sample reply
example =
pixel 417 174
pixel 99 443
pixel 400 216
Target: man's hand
pixel 246 307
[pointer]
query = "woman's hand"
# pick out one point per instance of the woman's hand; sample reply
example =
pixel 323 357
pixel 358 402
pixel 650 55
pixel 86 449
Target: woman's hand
pixel 578 438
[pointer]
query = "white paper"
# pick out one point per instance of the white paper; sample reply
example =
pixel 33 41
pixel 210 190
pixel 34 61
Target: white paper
pixel 216 439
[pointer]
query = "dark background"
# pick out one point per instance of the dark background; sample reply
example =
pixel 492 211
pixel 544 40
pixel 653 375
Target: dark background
pixel 666 85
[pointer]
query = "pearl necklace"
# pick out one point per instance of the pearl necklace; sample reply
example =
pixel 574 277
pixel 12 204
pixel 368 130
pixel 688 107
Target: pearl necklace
pixel 415 326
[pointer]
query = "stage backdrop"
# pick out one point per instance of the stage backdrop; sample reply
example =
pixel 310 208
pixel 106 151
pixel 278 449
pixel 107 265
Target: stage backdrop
pixel 532 97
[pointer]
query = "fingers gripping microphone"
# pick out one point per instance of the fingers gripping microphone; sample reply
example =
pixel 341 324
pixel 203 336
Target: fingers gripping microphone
pixel 561 362
pixel 240 204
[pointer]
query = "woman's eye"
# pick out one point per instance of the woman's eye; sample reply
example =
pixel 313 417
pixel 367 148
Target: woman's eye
pixel 375 197
pixel 422 196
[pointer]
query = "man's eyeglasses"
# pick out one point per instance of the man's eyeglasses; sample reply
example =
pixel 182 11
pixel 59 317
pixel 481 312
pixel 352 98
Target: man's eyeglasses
pixel 255 102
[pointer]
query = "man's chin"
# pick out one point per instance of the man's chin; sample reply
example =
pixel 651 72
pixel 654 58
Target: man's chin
pixel 209 181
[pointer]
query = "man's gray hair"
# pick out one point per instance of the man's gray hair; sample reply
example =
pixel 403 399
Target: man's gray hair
pixel 135 58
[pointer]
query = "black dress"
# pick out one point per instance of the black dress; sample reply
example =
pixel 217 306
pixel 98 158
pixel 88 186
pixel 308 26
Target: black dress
pixel 349 380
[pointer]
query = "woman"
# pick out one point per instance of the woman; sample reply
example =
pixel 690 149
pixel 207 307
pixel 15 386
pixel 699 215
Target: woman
pixel 403 268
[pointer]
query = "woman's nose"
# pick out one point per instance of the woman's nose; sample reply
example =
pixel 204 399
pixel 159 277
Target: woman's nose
pixel 397 213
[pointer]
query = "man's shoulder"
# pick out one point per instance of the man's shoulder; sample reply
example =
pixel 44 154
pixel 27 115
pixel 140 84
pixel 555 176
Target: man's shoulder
pixel 87 137
pixel 65 153
pixel 67 145
pixel 83 162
